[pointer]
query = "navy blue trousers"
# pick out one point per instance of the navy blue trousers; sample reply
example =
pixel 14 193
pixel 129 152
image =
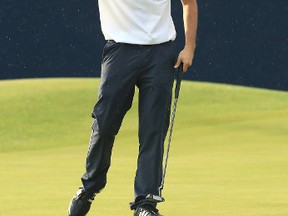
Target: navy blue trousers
pixel 125 66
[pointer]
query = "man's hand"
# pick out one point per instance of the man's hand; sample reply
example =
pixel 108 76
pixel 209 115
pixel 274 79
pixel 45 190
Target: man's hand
pixel 186 57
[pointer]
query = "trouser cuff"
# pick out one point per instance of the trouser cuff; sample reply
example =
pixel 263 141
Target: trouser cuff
pixel 150 199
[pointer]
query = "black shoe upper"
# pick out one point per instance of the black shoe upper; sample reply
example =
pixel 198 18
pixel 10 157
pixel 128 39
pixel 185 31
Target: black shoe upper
pixel 80 203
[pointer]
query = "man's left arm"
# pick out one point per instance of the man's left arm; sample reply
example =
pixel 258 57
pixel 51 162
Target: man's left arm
pixel 190 18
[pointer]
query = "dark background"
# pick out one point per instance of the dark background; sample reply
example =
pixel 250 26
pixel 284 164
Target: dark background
pixel 239 42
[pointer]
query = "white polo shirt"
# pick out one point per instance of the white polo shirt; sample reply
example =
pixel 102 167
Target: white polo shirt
pixel 137 21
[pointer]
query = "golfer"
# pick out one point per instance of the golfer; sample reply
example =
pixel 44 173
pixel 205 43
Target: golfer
pixel 139 52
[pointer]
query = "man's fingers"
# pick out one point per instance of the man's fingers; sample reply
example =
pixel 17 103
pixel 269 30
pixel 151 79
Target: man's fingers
pixel 184 58
pixel 185 67
pixel 179 60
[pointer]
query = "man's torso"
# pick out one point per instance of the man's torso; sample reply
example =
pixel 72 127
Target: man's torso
pixel 137 21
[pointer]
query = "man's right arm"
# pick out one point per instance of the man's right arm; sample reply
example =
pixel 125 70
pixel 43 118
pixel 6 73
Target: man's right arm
pixel 190 19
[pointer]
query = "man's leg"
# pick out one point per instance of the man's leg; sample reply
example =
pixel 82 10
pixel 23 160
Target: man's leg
pixel 155 86
pixel 115 98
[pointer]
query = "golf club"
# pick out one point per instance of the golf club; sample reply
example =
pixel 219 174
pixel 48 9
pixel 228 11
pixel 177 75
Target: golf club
pixel 179 73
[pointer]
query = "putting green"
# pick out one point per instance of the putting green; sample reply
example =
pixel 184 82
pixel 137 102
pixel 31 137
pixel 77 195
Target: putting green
pixel 229 154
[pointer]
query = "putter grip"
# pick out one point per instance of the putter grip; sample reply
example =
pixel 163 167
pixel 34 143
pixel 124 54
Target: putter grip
pixel 179 74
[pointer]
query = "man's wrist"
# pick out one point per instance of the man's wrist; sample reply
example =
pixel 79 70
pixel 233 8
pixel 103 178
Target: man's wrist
pixel 190 46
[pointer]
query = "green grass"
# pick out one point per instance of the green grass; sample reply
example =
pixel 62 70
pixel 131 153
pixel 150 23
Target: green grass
pixel 229 154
